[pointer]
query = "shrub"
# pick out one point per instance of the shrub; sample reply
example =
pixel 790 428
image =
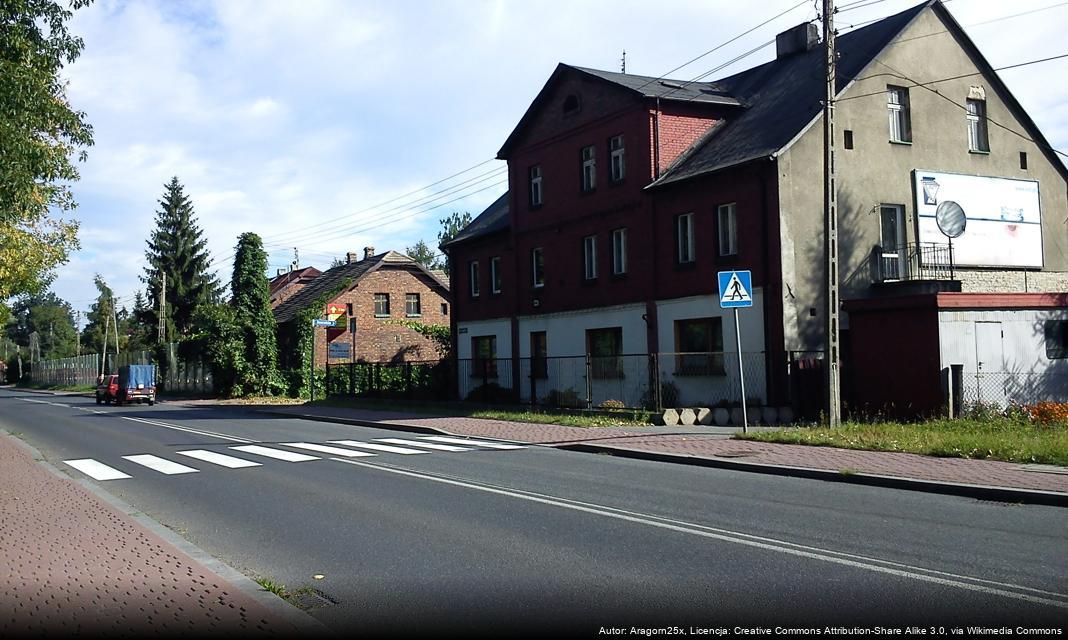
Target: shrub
pixel 491 393
pixel 568 399
pixel 612 404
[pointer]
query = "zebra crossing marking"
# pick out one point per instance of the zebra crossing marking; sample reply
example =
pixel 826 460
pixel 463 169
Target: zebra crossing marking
pixel 425 445
pixel 378 447
pixel 229 462
pixel 277 454
pixel 160 464
pixel 477 443
pixel 334 451
pixel 96 470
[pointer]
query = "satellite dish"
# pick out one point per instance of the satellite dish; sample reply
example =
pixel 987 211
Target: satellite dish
pixel 950 219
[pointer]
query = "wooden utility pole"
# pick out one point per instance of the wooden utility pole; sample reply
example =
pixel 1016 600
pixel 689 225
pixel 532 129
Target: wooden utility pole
pixel 162 334
pixel 104 356
pixel 830 207
pixel 77 333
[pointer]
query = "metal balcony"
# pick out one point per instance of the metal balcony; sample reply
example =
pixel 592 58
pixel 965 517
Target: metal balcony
pixel 912 262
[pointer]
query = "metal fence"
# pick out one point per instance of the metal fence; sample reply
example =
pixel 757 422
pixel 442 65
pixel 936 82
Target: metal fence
pixel 1005 388
pixel 84 370
pixel 76 371
pixel 422 380
pixel 912 261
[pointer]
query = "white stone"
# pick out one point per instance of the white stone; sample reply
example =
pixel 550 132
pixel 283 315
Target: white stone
pixel 687 417
pixel 669 418
pixel 704 416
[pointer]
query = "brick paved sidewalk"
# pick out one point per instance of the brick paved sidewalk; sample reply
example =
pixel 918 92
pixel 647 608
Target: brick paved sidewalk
pixel 72 563
pixel 711 443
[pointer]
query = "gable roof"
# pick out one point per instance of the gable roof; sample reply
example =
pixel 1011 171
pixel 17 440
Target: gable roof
pixel 353 271
pixel 493 219
pixel 784 96
pixel 639 87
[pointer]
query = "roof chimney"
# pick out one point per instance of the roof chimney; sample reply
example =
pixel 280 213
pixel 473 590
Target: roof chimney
pixel 368 252
pixel 350 257
pixel 803 37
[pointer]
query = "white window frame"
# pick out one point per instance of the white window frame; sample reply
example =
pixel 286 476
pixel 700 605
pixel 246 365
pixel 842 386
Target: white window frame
pixel 537 276
pixel 684 244
pixel 408 299
pixel 617 158
pixel 495 274
pixel 978 133
pixel 534 175
pixel 727 217
pixel 472 272
pixel 589 168
pixel 898 109
pixel 589 257
pixel 619 251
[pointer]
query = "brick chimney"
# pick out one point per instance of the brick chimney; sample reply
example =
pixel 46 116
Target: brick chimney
pixel 803 37
pixel 368 252
pixel 350 257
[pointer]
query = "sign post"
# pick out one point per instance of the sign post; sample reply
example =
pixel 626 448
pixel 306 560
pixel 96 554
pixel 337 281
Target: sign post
pixel 735 292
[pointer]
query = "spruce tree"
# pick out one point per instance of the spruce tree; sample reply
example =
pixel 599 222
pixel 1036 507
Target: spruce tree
pixel 177 248
pixel 252 308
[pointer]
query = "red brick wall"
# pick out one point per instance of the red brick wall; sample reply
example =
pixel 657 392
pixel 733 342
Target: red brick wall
pixel 678 131
pixel 376 339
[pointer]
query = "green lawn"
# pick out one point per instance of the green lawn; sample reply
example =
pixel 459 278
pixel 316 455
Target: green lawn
pixel 993 438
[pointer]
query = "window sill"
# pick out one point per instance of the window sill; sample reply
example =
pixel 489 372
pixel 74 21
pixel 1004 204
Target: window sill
pixel 904 143
pixel 413 315
pixel 619 276
pixel 589 282
pixel 535 207
pixel 699 374
pixel 978 152
pixel 381 315
pixel 538 287
pixel 728 258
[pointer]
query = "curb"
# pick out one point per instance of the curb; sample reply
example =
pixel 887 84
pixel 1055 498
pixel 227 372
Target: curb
pixel 301 620
pixel 977 491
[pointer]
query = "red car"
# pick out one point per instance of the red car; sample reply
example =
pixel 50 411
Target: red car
pixel 108 389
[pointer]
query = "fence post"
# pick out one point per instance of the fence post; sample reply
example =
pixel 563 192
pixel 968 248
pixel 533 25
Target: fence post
pixel 589 382
pixel 533 381
pixel 352 378
pixel 956 385
pixel 656 383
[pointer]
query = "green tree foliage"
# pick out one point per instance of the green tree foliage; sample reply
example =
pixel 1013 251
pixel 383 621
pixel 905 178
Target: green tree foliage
pixel 441 334
pixel 139 329
pixel 424 255
pixel 450 228
pixel 50 317
pixel 219 341
pixel 39 135
pixel 100 319
pixel 177 248
pixel 258 370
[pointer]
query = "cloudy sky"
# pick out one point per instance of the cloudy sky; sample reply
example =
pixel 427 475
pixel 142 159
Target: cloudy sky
pixel 331 125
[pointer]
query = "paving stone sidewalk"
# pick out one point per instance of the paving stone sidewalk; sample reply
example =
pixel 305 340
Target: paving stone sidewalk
pixel 715 444
pixel 72 563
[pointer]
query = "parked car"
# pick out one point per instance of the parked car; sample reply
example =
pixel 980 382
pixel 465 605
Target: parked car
pixel 137 383
pixel 107 390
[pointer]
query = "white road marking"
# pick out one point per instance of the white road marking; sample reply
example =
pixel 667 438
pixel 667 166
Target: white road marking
pixel 474 443
pixel 334 451
pixel 199 432
pixel 424 445
pixel 96 470
pixel 277 454
pixel 229 462
pixel 876 565
pixel 159 464
pixel 378 447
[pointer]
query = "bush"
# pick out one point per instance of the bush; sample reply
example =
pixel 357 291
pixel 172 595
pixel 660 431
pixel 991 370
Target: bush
pixel 568 399
pixel 612 404
pixel 1047 413
pixel 491 393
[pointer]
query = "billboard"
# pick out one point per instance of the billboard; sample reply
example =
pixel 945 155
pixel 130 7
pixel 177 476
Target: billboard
pixel 1003 218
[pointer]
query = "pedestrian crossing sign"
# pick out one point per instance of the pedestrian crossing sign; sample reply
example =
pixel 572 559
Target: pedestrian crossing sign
pixel 735 289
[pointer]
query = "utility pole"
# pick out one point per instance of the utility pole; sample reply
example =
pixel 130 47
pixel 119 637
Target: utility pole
pixel 115 322
pixel 77 333
pixel 830 227
pixel 104 356
pixel 623 62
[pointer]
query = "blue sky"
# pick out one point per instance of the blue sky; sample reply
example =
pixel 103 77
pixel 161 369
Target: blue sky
pixel 278 116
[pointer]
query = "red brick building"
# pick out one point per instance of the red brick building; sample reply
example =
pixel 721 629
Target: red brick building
pixel 627 194
pixel 375 293
pixel 289 282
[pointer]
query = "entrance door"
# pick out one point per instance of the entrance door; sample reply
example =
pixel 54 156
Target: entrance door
pixel 989 363
pixel 892 241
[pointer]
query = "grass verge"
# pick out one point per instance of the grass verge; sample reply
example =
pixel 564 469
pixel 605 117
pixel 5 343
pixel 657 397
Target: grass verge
pixel 994 438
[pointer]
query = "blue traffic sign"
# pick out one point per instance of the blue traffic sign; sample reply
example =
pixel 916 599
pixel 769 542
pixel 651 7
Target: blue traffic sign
pixel 735 289
pixel 322 323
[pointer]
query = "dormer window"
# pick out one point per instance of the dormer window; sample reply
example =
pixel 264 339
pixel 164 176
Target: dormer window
pixel 571 104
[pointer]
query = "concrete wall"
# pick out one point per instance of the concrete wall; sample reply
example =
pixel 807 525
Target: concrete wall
pixel 877 171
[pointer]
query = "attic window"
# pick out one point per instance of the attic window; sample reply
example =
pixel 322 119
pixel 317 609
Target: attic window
pixel 571 104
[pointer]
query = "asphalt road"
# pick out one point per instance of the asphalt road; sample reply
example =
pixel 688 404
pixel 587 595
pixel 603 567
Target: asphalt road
pixel 535 540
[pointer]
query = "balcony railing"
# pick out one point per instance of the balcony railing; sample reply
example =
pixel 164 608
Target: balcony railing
pixel 913 261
